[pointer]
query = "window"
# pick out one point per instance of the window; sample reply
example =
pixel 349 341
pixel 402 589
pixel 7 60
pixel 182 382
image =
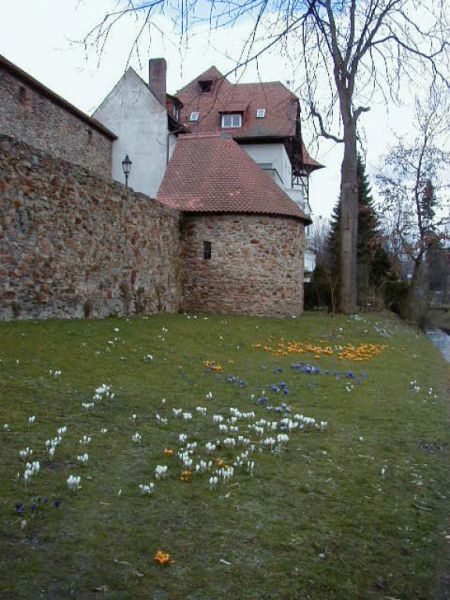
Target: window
pixel 260 113
pixel 231 120
pixel 194 116
pixel 205 86
pixel 207 250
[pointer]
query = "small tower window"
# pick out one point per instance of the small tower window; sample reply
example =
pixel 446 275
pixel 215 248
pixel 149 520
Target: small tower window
pixel 207 250
pixel 194 116
pixel 260 113
pixel 205 86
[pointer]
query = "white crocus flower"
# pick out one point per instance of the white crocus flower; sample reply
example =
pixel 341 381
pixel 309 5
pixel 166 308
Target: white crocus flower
pixel 73 482
pixel 147 489
pixel 210 447
pixel 85 440
pixel 161 420
pixel 137 438
pixel 31 420
pixel 161 471
pixel 83 458
pixel 25 453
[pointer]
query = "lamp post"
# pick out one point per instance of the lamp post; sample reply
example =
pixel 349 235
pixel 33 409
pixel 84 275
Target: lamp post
pixel 126 166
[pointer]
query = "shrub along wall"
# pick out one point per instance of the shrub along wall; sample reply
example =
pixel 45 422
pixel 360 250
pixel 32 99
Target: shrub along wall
pixel 76 245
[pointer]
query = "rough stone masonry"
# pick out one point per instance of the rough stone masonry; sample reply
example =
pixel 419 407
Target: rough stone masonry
pixel 256 264
pixel 75 245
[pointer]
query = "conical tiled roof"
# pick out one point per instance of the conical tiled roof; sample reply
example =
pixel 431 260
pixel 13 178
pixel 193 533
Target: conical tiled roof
pixel 210 173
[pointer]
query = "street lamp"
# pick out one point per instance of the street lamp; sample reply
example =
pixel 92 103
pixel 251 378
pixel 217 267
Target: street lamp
pixel 126 166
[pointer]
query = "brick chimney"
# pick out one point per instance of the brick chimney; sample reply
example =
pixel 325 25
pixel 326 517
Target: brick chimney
pixel 157 69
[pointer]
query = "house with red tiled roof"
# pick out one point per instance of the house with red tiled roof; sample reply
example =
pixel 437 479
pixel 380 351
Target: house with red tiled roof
pixel 242 237
pixel 263 117
pixel 231 159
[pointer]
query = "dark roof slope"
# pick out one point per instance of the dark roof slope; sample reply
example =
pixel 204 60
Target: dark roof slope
pixel 45 91
pixel 210 173
pixel 281 105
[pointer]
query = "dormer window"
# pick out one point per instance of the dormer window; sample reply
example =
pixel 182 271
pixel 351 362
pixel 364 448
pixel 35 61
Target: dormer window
pixel 260 113
pixel 194 116
pixel 231 120
pixel 205 85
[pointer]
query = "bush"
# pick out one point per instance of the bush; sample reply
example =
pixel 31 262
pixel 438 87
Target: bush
pixel 395 296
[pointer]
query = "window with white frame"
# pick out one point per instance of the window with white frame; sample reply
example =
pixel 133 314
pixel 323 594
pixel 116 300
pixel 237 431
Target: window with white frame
pixel 260 113
pixel 194 116
pixel 231 120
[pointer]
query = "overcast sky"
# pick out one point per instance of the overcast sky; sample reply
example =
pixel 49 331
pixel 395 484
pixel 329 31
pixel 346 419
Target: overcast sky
pixel 40 36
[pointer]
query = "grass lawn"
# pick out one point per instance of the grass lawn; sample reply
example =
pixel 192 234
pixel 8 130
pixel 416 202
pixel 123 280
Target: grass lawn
pixel 354 508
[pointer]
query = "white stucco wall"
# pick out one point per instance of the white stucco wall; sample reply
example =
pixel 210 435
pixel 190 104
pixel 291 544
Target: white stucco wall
pixel 133 113
pixel 275 154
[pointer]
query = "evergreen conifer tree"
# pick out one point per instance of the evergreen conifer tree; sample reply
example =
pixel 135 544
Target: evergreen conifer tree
pixel 372 259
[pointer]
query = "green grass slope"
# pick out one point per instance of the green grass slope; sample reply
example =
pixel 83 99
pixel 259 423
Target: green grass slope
pixel 351 509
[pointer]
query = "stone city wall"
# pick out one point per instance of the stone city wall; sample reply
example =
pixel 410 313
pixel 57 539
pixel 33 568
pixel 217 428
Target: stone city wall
pixel 29 114
pixel 256 264
pixel 75 245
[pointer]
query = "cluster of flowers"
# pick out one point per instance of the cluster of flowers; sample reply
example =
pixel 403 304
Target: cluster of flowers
pixel 83 458
pixel 35 504
pixel 54 373
pixel 74 483
pixel 52 443
pixel 31 469
pixel 101 393
pixel 189 453
pixel 347 352
pixel 25 453
pixel 147 489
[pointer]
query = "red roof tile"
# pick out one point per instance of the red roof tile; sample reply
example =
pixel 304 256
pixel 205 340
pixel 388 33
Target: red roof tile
pixel 282 107
pixel 308 161
pixel 211 173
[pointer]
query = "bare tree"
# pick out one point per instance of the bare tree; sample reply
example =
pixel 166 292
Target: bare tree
pixel 415 187
pixel 317 239
pixel 350 51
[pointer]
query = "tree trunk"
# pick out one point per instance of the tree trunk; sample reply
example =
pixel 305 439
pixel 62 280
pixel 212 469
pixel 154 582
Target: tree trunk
pixel 349 221
pixel 413 306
